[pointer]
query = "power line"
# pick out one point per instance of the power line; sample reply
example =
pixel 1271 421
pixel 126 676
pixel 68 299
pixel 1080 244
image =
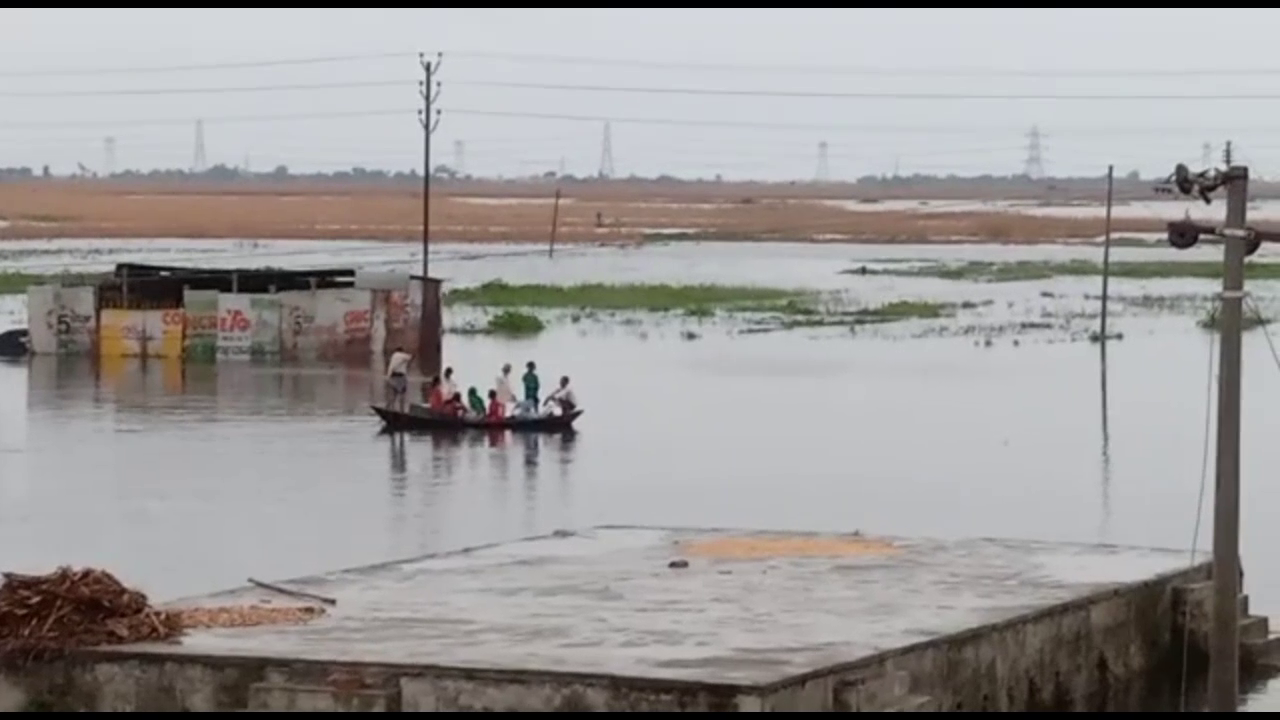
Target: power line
pixel 648 90
pixel 720 92
pixel 194 67
pixel 31 94
pixel 869 70
pixel 208 119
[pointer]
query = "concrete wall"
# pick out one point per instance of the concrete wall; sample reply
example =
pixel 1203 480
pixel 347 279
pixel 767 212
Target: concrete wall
pixel 265 334
pixel 299 338
pixel 1100 653
pixel 175 684
pixel 344 324
pixel 336 325
pixel 62 320
pixel 42 319
pixel 235 327
pixel 201 307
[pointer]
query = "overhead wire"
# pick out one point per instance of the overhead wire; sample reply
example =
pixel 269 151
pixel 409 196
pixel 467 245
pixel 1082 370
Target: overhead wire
pixel 651 90
pixel 864 70
pixel 199 67
pixel 124 92
pixel 859 95
pixel 1195 533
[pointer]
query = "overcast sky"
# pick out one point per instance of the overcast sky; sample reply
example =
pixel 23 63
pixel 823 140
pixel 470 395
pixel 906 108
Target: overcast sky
pixel 46 118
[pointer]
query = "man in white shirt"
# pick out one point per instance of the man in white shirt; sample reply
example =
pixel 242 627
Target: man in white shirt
pixel 506 395
pixel 563 397
pixel 398 378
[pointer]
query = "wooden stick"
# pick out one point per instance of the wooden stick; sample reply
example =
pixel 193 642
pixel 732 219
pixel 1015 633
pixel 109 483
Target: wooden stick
pixel 292 593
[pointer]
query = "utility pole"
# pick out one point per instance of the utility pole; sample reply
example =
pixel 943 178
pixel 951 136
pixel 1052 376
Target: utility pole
pixel 1239 242
pixel 429 118
pixel 1224 647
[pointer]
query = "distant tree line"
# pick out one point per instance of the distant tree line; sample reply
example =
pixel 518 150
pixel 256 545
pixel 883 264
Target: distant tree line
pixel 1128 186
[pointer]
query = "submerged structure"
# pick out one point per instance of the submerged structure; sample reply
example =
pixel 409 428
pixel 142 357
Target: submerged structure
pixel 204 314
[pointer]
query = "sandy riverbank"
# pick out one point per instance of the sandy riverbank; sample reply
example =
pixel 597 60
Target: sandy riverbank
pixel 88 209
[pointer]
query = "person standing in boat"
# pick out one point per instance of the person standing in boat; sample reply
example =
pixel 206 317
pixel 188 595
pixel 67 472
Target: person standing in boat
pixel 563 397
pixel 531 387
pixel 398 379
pixel 503 386
pixel 448 386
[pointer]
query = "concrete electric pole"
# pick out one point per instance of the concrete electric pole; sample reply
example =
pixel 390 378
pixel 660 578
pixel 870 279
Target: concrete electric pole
pixel 1239 242
pixel 429 117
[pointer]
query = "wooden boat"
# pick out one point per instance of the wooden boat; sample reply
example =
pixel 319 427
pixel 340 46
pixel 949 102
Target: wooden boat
pixel 422 420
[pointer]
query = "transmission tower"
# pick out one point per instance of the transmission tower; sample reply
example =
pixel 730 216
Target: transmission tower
pixel 459 157
pixel 823 173
pixel 198 162
pixel 1206 156
pixel 108 156
pixel 1033 167
pixel 606 154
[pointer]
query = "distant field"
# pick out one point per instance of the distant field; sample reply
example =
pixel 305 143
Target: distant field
pixel 621 211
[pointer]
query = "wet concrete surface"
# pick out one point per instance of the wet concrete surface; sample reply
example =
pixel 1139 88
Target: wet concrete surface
pixel 188 482
pixel 605 601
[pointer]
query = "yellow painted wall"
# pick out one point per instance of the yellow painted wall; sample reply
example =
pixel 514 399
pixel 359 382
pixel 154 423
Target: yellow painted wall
pixel 135 333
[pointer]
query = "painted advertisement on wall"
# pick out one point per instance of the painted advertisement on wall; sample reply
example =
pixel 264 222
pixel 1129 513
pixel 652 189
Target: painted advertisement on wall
pixel 121 333
pixel 140 333
pixel 265 321
pixel 42 319
pixel 163 333
pixel 201 332
pixel 235 327
pixel 344 323
pixel 391 314
pixel 61 321
pixel 77 320
pixel 299 340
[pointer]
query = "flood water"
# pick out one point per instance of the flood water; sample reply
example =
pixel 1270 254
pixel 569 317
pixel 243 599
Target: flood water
pixel 190 480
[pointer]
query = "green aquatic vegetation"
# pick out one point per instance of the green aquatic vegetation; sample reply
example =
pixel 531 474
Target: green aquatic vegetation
pixel 16 283
pixel 905 310
pixel 514 323
pixel 698 299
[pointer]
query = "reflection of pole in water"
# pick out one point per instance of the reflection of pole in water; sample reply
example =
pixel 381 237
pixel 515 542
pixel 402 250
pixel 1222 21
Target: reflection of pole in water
pixel 531 447
pixel 565 461
pixel 399 486
pixel 1106 445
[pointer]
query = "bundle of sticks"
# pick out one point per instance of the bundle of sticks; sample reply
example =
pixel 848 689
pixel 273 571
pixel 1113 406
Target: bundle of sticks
pixel 45 615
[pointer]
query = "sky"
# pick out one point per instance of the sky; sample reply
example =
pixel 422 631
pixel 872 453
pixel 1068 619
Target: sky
pixel 693 92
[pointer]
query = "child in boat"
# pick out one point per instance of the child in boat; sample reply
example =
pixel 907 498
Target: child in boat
pixel 497 409
pixel 475 403
pixel 531 388
pixel 434 394
pixel 454 406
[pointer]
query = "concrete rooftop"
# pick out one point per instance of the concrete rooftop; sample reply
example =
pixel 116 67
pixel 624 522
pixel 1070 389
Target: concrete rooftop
pixel 605 602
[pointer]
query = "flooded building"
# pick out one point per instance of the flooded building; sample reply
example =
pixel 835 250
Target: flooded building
pixel 203 314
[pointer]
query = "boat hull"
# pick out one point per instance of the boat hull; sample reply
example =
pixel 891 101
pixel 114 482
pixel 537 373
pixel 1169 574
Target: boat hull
pixel 419 421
